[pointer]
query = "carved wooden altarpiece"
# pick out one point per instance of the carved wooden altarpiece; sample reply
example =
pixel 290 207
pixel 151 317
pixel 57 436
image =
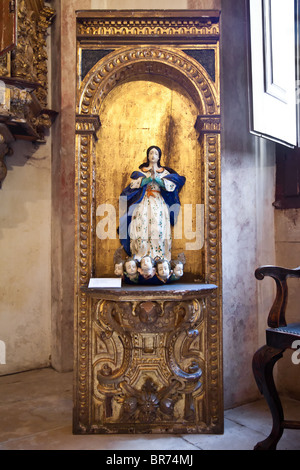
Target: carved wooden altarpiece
pixel 24 112
pixel 148 358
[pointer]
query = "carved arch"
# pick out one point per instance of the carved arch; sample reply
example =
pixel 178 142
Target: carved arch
pixel 129 63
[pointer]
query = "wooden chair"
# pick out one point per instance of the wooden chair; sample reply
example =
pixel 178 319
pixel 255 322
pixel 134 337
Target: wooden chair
pixel 280 336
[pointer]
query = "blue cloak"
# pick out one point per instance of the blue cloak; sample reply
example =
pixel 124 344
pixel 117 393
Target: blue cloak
pixel 135 196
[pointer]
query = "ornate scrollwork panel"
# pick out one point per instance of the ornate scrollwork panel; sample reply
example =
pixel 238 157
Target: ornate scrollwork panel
pixel 147 361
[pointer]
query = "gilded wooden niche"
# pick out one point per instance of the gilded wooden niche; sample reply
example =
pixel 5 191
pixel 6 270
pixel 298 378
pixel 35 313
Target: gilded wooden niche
pixel 148 78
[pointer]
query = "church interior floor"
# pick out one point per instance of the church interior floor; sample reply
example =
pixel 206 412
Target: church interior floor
pixel 36 414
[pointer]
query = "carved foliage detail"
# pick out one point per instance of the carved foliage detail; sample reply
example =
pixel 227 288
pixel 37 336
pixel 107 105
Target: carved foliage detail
pixel 133 27
pixel 25 74
pixel 148 404
pixel 30 57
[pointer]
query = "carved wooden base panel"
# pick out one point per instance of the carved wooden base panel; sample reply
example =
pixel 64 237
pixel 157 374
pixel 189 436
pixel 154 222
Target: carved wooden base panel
pixel 147 362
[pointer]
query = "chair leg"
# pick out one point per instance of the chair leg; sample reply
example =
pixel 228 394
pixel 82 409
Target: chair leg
pixel 263 363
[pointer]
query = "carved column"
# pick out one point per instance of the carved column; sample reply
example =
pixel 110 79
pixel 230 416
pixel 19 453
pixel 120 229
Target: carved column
pixel 209 128
pixel 86 134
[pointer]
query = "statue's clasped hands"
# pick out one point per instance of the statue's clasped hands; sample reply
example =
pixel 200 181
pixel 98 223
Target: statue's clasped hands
pixel 153 177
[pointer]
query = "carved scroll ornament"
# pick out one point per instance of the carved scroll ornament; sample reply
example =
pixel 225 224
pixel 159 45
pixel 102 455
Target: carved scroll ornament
pixel 146 361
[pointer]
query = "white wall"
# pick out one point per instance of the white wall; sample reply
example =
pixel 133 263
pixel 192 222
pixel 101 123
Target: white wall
pixel 25 220
pixel 25 247
pixel 248 182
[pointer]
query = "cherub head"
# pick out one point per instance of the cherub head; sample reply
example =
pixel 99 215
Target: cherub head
pixel 147 264
pixel 119 268
pixel 130 267
pixel 177 268
pixel 163 268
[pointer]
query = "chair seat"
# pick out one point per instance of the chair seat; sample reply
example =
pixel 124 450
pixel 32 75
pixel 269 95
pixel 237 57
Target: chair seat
pixel 292 328
pixel 283 336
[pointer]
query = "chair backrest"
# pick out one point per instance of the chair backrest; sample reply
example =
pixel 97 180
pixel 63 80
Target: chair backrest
pixel 276 316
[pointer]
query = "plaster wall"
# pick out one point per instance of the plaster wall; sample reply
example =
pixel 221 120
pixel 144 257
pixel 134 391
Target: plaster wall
pixel 25 247
pixel 248 179
pixel 25 292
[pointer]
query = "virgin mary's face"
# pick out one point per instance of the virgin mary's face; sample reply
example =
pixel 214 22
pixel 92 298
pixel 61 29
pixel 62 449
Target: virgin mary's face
pixel 153 156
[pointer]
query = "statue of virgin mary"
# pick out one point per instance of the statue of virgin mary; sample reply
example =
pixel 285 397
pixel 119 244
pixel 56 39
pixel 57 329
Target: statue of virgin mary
pixel 152 208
